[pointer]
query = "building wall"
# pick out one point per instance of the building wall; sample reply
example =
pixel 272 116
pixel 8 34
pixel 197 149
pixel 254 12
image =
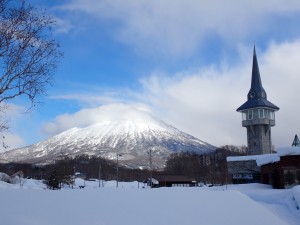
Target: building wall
pixel 259 139
pixel 282 174
pixel 272 174
pixel 248 166
pixel 243 171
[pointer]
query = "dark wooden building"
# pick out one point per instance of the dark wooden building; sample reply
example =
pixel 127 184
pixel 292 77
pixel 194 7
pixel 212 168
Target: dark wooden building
pixel 282 174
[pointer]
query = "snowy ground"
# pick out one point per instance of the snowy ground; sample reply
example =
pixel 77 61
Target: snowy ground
pixel 130 204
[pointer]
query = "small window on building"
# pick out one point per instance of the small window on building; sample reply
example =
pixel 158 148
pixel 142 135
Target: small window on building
pixel 244 116
pixel 261 113
pixel 272 115
pixel 250 115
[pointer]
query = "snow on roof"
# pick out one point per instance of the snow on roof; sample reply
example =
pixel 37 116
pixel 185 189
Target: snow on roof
pixel 267 158
pixel 288 151
pixel 260 159
pixel 243 158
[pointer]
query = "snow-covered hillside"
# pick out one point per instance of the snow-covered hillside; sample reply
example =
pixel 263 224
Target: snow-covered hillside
pixel 130 204
pixel 129 131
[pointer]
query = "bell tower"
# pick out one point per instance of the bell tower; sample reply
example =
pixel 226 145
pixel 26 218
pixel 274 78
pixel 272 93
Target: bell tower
pixel 258 115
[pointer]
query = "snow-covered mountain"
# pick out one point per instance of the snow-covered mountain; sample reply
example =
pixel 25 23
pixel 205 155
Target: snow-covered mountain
pixel 128 131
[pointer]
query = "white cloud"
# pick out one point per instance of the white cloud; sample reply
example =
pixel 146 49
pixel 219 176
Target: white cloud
pixel 89 116
pixel 10 110
pixel 176 27
pixel 202 102
pixel 9 141
pixel 63 26
pixel 16 118
pixel 281 71
pixel 90 99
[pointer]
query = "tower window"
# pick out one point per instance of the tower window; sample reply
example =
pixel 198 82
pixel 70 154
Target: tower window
pixel 272 115
pixel 244 116
pixel 261 113
pixel 250 114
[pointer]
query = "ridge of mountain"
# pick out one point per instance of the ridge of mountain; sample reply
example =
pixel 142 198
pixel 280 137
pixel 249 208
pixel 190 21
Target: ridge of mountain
pixel 130 133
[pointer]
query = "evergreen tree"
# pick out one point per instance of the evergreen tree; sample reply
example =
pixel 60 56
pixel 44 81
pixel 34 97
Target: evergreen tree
pixel 53 182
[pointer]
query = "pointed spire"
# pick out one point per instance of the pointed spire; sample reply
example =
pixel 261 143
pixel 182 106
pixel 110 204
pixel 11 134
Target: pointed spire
pixel 257 96
pixel 256 91
pixel 256 81
pixel 296 142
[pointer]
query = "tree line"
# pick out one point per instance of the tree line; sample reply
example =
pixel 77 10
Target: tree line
pixel 208 168
pixel 64 169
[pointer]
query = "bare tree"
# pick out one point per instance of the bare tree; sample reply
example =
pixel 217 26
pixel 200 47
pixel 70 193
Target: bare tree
pixel 29 54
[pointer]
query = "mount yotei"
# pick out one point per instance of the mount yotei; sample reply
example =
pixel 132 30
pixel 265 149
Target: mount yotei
pixel 125 131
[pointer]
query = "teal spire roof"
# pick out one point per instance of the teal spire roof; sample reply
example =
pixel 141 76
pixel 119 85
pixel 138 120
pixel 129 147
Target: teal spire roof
pixel 296 142
pixel 257 96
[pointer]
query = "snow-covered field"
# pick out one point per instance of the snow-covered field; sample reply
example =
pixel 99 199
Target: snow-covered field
pixel 130 204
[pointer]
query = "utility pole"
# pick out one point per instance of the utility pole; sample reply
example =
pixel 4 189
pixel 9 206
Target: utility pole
pixel 150 162
pixel 99 173
pixel 74 177
pixel 117 169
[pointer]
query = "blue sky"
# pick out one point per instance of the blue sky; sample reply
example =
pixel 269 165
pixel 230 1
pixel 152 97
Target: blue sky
pixel 188 61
